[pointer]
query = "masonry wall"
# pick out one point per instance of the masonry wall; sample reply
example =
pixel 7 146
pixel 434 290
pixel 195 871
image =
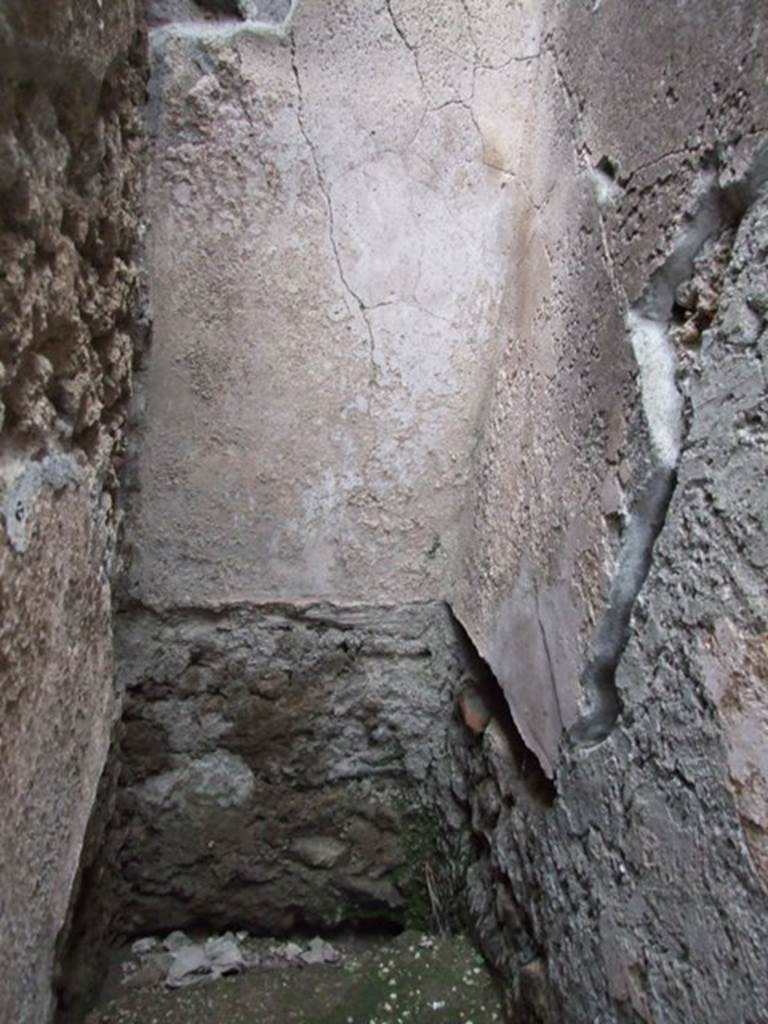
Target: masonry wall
pixel 71 92
pixel 280 766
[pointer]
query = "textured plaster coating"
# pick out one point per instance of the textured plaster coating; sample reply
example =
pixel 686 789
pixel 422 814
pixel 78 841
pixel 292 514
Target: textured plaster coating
pixel 591 882
pixel 350 322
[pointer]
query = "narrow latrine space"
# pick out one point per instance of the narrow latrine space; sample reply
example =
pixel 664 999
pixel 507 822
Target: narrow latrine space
pixel 293 789
pixel 382 512
pixel 285 811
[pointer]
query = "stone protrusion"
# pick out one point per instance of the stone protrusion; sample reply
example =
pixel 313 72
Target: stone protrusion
pixel 474 710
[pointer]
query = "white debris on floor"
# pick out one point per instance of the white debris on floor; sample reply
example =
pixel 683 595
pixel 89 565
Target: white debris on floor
pixel 178 960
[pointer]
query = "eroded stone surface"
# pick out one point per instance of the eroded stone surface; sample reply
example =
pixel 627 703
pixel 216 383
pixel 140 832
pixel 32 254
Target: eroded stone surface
pixel 71 88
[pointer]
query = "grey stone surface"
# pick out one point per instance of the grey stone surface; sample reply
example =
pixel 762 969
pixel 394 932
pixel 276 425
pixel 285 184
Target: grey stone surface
pixel 218 779
pixel 310 801
pixel 17 504
pixel 190 962
pixel 71 152
pixel 189 965
pixel 320 952
pixel 319 851
pixel 176 940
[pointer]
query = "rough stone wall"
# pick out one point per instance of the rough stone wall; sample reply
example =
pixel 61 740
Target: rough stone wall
pixel 278 764
pixel 71 89
pixel 282 769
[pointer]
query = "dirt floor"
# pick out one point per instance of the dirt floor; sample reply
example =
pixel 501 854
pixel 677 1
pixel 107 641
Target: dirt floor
pixel 410 979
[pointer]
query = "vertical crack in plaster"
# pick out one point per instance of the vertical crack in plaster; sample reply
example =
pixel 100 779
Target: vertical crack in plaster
pixel 410 47
pixel 362 307
pixel 605 189
pixel 467 105
pixel 548 657
pixel 648 322
pixel 473 40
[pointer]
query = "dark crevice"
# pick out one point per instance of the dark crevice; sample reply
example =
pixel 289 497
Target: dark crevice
pixel 161 14
pixel 524 767
pixel 607 167
pixel 719 209
pixel 84 944
pixel 220 13
pixel 613 631
pixel 230 7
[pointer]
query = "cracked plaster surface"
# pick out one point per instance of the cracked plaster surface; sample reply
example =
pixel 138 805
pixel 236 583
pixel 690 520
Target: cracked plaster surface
pixel 552 494
pixel 362 272
pixel 436 166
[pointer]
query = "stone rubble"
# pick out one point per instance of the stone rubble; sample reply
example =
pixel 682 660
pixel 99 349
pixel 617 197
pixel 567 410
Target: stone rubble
pixel 178 960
